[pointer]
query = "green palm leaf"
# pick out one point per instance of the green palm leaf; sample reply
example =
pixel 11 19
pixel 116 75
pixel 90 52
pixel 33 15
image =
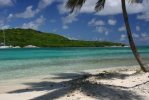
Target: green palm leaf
pixel 100 5
pixel 77 4
pixel 72 4
pixel 135 1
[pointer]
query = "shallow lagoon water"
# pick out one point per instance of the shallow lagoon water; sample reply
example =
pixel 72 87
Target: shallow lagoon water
pixel 17 63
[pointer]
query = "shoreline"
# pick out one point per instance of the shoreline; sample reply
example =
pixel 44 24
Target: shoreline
pixel 77 71
pixel 81 72
pixel 26 91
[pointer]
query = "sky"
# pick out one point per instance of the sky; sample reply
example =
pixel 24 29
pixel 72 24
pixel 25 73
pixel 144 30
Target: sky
pixel 51 16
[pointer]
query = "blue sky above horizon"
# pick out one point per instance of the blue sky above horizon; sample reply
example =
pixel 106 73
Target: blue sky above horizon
pixel 51 16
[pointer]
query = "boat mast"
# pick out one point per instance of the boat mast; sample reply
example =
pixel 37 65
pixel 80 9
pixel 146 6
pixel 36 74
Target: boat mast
pixel 4 37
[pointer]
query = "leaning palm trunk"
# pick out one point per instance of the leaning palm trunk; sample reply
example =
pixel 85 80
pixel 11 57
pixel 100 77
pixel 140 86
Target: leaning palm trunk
pixel 130 38
pixel 73 4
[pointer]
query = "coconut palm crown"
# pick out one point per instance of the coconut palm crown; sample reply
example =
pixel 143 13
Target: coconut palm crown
pixel 77 4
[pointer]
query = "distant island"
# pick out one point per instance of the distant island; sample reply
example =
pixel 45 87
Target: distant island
pixel 32 38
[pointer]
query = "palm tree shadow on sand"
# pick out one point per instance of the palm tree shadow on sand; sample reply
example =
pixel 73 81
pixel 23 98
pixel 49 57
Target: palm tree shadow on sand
pixel 82 84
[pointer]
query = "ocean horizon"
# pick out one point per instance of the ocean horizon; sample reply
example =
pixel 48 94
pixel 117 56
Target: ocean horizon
pixel 27 62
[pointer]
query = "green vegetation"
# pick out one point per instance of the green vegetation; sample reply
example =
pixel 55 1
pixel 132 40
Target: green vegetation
pixel 24 37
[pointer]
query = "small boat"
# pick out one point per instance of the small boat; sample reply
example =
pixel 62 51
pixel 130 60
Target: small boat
pixel 4 47
pixel 4 43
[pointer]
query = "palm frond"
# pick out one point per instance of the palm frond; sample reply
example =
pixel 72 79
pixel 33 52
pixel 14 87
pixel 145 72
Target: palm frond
pixel 135 1
pixel 72 4
pixel 100 5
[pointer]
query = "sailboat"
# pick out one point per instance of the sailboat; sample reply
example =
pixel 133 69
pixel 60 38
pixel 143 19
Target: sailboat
pixel 4 42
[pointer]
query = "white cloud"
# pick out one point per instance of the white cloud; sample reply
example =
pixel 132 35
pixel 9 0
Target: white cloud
pixel 100 26
pixel 145 13
pixel 138 28
pixel 121 29
pixel 95 22
pixel 10 16
pixel 61 7
pixel 6 3
pixel 103 30
pixel 30 12
pixel 135 35
pixel 65 27
pixel 141 37
pixel 123 37
pixel 4 26
pixel 44 3
pixel 112 7
pixel 69 19
pixel 112 22
pixel 138 37
pixel 107 33
pixel 34 24
pixel 144 36
pixel 88 7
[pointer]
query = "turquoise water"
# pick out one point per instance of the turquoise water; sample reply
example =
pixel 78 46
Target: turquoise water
pixel 17 63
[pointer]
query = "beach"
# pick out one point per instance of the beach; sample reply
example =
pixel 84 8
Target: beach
pixel 72 74
pixel 74 50
pixel 99 84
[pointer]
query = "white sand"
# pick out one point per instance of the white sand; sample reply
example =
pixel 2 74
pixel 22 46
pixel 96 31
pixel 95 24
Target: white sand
pixel 115 84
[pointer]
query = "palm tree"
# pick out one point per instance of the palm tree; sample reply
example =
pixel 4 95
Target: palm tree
pixel 77 4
